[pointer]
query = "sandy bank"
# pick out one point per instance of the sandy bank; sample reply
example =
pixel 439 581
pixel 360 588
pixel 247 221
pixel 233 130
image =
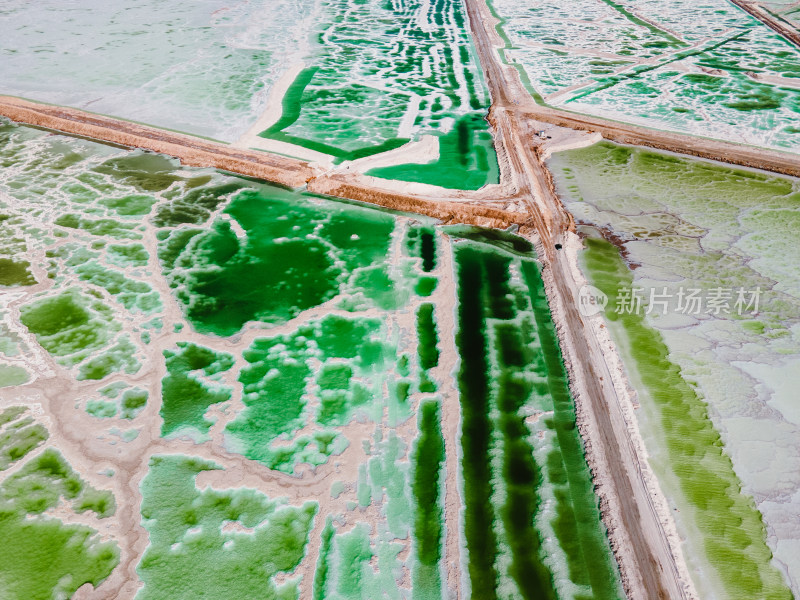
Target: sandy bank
pixel 446 211
pixel 191 151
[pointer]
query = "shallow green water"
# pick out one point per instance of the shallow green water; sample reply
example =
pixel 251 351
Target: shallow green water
pixel 19 435
pixel 704 376
pixel 72 326
pixel 192 555
pixel 467 159
pixel 110 223
pixel 11 375
pixel 203 67
pixel 64 324
pixel 15 272
pixel 337 137
pixel 41 557
pixel 187 392
pixel 118 400
pixel 415 73
pixel 262 275
pixel 275 382
pixel 733 535
pixel 322 566
pixel 355 366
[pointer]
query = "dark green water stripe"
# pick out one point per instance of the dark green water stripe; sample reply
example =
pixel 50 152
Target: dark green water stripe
pixel 577 526
pixel 498 295
pixel 521 474
pixel 428 338
pixel 475 426
pixel 428 459
pixel 428 250
pixel 485 292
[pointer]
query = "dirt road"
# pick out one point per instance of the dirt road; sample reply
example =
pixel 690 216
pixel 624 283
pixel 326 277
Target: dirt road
pixel 470 213
pixel 480 208
pixel 641 545
pixel 192 151
pixel 650 565
pixel 623 133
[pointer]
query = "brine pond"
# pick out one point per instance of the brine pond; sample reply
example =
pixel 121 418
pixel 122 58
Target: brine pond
pixel 714 375
pixel 707 69
pixel 279 392
pixel 323 81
